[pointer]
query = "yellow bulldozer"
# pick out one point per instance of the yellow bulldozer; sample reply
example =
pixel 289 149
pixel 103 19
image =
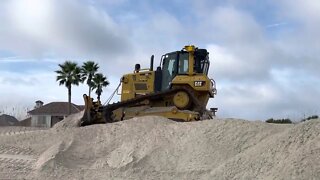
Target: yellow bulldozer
pixel 178 89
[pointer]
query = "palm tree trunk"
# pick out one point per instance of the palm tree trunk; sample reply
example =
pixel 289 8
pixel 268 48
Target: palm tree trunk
pixel 69 99
pixel 99 93
pixel 89 84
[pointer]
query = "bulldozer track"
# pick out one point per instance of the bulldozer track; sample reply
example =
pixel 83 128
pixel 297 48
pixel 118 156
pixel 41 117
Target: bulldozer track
pixel 158 95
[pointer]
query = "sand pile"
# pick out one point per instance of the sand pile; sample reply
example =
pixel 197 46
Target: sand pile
pixel 157 148
pixel 71 121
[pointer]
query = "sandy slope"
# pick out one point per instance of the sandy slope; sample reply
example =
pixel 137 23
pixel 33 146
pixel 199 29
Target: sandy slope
pixel 157 148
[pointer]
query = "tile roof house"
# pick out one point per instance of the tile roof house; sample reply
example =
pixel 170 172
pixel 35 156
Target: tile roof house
pixel 49 114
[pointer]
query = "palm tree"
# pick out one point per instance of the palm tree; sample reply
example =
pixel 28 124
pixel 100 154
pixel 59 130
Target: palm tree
pixel 99 81
pixel 68 75
pixel 88 70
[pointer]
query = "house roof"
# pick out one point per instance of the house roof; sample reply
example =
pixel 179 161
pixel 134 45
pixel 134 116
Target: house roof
pixel 25 122
pixel 7 120
pixel 56 108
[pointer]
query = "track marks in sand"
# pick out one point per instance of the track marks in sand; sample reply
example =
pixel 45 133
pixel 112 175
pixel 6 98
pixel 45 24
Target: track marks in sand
pixel 16 162
pixel 10 131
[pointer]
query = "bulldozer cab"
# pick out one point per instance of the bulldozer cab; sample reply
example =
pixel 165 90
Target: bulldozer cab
pixel 185 62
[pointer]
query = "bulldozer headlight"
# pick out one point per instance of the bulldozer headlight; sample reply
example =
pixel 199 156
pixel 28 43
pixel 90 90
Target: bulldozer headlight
pixel 199 83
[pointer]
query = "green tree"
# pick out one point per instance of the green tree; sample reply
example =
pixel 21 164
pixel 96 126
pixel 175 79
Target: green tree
pixel 99 81
pixel 279 121
pixel 69 74
pixel 88 71
pixel 310 117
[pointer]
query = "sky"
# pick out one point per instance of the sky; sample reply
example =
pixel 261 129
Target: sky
pixel 264 54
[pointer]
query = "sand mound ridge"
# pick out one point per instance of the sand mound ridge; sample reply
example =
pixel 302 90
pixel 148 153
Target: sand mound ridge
pixel 158 148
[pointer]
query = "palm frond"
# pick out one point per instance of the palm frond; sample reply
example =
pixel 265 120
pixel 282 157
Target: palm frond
pixel 69 73
pixel 88 70
pixel 99 81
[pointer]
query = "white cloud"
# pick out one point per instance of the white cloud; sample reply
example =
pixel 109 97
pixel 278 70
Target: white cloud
pixel 301 41
pixel 229 65
pixel 276 25
pixel 244 101
pixel 302 10
pixel 62 27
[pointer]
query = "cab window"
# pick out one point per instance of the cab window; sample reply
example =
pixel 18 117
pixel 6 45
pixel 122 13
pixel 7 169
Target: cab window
pixel 168 69
pixel 183 63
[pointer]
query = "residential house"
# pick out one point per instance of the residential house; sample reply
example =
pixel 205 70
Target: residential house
pixel 49 114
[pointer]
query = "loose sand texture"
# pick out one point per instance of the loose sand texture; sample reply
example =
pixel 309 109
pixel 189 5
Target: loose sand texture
pixel 157 148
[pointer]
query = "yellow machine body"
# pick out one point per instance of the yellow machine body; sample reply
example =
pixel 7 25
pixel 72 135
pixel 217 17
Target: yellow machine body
pixel 138 83
pixel 178 89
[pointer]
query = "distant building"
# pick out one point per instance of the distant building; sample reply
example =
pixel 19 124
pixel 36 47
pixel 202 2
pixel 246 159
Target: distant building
pixel 7 120
pixel 25 122
pixel 49 114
